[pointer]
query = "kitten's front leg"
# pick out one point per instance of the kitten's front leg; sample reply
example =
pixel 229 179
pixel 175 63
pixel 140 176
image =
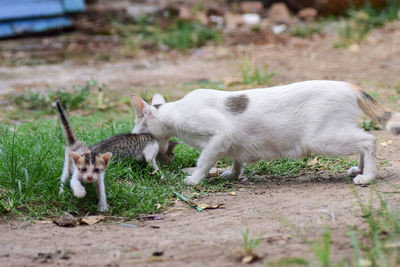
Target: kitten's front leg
pixel 77 187
pixel 235 172
pixel 101 194
pixel 65 173
pixel 208 158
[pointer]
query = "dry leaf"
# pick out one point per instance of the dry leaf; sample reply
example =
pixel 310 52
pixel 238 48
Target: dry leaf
pixel 392 245
pixel 208 206
pixel 386 143
pixel 313 162
pixel 233 193
pixel 249 259
pixel 354 48
pixel 89 220
pixel 44 221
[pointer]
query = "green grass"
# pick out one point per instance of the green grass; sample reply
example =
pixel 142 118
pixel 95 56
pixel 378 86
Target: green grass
pixel 32 158
pixel 307 30
pixel 249 243
pixel 252 75
pixel 179 35
pixel 322 248
pixel 376 242
pixel 361 21
pixel 291 167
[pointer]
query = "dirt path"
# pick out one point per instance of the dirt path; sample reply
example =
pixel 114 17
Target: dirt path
pixel 267 208
pixel 187 237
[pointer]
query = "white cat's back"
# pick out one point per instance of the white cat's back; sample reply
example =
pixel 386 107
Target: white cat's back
pixel 280 118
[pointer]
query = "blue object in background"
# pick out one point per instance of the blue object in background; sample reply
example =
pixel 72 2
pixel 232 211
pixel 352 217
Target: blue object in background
pixel 18 17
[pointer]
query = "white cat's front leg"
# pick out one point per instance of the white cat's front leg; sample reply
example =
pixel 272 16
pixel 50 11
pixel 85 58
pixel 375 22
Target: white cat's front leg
pixel 77 187
pixel 208 158
pixel 235 172
pixel 101 194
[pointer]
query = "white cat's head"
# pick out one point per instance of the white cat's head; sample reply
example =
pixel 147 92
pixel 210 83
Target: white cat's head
pixel 147 119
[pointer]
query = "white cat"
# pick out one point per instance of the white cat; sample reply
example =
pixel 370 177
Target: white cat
pixel 293 121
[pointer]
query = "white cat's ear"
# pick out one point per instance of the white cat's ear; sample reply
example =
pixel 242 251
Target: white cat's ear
pixel 106 158
pixel 139 105
pixel 75 156
pixel 157 100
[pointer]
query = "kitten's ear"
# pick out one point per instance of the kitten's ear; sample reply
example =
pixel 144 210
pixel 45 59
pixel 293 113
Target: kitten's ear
pixel 157 100
pixel 139 105
pixel 75 156
pixel 106 158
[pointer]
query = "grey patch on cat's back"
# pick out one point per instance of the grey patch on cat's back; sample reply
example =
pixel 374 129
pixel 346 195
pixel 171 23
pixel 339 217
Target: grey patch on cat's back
pixel 237 104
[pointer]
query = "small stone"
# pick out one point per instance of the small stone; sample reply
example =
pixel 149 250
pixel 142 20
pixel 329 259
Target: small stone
pixel 279 14
pixel 233 21
pixel 66 220
pixel 308 14
pixel 185 13
pixel 251 7
pixel 158 253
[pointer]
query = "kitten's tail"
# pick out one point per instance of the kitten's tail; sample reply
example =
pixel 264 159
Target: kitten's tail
pixel 387 118
pixel 65 124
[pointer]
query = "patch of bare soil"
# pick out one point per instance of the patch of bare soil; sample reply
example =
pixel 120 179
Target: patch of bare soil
pixel 285 213
pixel 267 208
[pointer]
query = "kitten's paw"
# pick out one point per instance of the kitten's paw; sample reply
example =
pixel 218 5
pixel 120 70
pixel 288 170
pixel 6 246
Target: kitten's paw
pixel 362 179
pixel 103 207
pixel 61 190
pixel 190 180
pixel 229 175
pixel 80 192
pixel 353 171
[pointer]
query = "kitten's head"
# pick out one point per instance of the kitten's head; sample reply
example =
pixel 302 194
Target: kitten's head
pixel 90 165
pixel 147 120
pixel 168 156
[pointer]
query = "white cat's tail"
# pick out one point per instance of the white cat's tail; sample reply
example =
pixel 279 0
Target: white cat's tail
pixel 387 118
pixel 65 124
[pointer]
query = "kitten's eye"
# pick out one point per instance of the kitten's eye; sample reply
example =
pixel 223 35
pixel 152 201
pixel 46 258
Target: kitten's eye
pixel 96 170
pixel 83 170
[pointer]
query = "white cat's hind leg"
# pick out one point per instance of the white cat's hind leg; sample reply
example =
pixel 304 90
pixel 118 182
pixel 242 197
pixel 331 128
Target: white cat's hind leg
pixel 235 172
pixel 350 142
pixel 369 155
pixel 356 170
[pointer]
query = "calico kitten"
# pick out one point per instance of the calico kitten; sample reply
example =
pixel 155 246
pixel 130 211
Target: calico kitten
pixel 293 121
pixel 89 163
pixel 83 165
pixel 143 147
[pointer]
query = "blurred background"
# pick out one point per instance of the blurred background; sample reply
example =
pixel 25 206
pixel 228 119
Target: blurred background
pixel 92 54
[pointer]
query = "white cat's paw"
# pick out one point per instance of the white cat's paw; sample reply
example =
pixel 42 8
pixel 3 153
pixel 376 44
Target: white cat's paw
pixel 228 175
pixel 353 171
pixel 190 180
pixel 61 190
pixel 103 207
pixel 80 192
pixel 362 180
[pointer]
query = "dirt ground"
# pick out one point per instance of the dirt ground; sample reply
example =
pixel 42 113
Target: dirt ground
pixel 280 211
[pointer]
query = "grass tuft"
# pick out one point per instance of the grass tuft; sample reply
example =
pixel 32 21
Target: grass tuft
pixel 362 21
